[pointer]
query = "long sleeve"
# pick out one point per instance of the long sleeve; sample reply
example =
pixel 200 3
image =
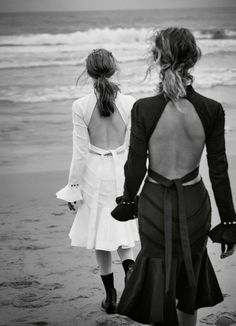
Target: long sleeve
pixel 218 168
pixel 80 138
pixel 127 137
pixel 80 146
pixel 135 167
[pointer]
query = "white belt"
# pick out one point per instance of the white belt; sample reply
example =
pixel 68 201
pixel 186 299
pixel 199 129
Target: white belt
pixel 108 152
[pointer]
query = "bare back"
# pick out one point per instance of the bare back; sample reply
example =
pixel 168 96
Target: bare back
pixel 176 145
pixel 107 132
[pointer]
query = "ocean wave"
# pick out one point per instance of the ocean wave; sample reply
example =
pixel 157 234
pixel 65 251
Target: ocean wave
pixel 91 36
pixel 42 94
pixel 39 64
pixel 104 35
pixel 206 78
pixel 62 59
pixel 215 34
pixel 217 47
pixel 127 44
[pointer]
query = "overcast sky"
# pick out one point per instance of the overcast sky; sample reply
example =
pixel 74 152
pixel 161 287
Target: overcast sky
pixel 68 5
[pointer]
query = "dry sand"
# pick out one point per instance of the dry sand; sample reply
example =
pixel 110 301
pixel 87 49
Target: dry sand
pixel 44 281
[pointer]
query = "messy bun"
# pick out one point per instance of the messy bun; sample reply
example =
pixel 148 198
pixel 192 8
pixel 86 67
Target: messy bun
pixel 176 51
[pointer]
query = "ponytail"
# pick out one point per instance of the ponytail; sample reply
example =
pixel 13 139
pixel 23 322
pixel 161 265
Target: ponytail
pixel 101 65
pixel 106 94
pixel 173 84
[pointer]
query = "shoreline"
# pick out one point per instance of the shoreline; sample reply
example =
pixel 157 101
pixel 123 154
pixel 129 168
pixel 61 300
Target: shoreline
pixel 53 151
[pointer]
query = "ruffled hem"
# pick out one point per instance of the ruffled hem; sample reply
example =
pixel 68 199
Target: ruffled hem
pixel 70 193
pixel 98 230
pixel 145 301
pixel 224 233
pixel 142 299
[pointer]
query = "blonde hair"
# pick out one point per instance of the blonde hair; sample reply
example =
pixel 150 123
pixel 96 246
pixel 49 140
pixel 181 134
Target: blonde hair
pixel 176 51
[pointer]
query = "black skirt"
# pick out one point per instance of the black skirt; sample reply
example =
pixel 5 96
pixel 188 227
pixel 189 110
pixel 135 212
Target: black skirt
pixel 147 298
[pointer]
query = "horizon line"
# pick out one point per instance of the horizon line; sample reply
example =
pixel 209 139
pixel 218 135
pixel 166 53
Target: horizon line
pixel 101 10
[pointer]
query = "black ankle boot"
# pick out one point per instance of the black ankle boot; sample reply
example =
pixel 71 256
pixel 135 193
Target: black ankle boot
pixel 109 303
pixel 128 266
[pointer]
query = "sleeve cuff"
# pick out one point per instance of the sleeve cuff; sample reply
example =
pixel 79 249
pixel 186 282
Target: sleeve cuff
pixel 125 210
pixel 69 194
pixel 224 233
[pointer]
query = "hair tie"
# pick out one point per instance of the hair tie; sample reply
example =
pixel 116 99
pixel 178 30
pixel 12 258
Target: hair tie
pixel 102 76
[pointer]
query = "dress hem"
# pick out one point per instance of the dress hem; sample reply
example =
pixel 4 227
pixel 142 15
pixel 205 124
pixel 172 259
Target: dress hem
pixel 146 321
pixel 123 246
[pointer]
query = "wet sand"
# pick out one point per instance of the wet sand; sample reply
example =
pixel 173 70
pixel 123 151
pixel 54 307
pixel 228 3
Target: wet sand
pixel 44 281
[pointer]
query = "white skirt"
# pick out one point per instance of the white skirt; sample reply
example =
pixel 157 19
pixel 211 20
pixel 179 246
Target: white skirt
pixel 102 182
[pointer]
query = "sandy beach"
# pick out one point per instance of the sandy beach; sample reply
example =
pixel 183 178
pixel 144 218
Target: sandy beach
pixel 44 281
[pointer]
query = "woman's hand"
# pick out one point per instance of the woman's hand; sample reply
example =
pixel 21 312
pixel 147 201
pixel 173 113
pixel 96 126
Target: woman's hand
pixel 227 250
pixel 71 206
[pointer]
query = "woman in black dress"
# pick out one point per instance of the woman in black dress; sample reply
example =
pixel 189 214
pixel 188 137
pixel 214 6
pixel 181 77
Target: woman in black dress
pixel 171 129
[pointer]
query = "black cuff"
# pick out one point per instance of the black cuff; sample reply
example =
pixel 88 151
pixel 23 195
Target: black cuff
pixel 125 210
pixel 224 233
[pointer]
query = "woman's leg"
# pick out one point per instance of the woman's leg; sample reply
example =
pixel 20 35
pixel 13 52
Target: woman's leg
pixel 187 319
pixel 127 258
pixel 126 253
pixel 104 260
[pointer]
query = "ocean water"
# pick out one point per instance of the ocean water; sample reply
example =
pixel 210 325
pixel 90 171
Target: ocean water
pixel 42 55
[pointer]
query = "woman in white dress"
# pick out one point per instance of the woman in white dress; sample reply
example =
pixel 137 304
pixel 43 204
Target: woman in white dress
pixel 101 127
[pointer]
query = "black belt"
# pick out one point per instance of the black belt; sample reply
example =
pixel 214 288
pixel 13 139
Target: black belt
pixel 184 237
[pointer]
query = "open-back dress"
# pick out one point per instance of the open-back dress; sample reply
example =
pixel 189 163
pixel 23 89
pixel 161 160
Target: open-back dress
pixel 96 178
pixel 174 214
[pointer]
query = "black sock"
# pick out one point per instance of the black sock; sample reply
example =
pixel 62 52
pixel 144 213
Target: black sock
pixel 126 263
pixel 108 281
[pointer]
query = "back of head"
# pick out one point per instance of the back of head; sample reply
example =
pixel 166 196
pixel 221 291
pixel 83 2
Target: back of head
pixel 101 65
pixel 176 51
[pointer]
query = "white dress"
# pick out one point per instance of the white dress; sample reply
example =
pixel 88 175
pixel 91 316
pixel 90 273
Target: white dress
pixel 96 178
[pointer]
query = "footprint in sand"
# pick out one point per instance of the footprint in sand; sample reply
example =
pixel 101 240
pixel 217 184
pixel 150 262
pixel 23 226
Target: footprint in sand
pixel 225 295
pixel 21 283
pixel 31 220
pixel 51 286
pixel 82 296
pixel 220 319
pixel 29 247
pixel 225 321
pixel 5 237
pixel 95 270
pixel 24 321
pixel 34 299
pixel 112 320
pixel 57 214
pixel 9 213
pixel 5 302
pixel 27 239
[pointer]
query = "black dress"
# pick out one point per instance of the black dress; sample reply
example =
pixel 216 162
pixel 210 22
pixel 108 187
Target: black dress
pixel 174 221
